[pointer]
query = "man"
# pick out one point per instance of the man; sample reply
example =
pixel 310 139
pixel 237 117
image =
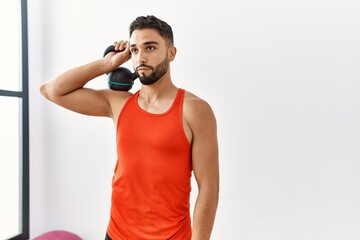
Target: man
pixel 163 134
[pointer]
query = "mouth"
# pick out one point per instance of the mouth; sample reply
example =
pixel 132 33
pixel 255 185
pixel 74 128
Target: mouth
pixel 143 67
pixel 141 70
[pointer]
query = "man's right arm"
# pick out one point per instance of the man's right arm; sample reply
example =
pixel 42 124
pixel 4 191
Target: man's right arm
pixel 68 91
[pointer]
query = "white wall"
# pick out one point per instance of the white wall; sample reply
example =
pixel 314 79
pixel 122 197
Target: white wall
pixel 283 78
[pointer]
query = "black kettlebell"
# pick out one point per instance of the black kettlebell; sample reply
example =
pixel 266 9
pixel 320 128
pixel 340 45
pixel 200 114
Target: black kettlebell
pixel 120 79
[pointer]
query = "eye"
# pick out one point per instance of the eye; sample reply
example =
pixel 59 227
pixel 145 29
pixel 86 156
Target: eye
pixel 150 48
pixel 133 50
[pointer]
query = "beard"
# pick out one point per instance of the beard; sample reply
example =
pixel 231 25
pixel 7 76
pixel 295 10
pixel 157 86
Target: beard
pixel 158 72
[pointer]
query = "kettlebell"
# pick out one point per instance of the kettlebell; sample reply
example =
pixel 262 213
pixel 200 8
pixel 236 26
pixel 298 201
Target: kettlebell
pixel 120 79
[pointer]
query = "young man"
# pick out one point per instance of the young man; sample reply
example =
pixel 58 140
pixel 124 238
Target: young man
pixel 163 134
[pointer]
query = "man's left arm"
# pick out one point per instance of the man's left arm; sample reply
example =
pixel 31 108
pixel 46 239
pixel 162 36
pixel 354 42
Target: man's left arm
pixel 206 168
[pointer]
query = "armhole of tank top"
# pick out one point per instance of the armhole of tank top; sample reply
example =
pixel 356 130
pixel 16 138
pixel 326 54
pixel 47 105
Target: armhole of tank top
pixel 181 122
pixel 123 109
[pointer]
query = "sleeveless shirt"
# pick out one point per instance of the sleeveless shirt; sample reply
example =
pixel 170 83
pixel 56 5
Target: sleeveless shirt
pixel 151 182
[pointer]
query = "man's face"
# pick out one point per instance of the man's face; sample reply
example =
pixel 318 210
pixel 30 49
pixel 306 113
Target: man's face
pixel 149 54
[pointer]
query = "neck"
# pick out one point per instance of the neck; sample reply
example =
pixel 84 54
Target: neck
pixel 163 88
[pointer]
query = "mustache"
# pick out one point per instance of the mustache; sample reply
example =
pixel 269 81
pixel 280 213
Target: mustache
pixel 144 65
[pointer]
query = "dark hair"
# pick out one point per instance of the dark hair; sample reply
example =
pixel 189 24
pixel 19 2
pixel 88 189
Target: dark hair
pixel 153 22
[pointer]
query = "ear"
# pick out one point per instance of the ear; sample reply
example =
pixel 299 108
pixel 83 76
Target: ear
pixel 171 53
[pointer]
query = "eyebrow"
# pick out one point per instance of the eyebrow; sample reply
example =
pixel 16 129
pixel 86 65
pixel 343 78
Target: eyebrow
pixel 146 43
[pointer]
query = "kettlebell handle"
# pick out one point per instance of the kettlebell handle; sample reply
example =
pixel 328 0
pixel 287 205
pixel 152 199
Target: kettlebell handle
pixel 111 48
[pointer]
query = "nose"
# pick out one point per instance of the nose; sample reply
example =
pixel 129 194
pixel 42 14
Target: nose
pixel 141 57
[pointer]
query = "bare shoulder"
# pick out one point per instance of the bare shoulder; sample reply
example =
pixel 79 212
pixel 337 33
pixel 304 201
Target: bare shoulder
pixel 196 109
pixel 115 96
pixel 117 100
pixel 193 103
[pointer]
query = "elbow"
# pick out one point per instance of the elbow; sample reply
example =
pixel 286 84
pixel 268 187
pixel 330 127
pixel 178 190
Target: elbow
pixel 43 89
pixel 215 186
pixel 216 194
pixel 46 91
pixel 214 190
pixel 211 190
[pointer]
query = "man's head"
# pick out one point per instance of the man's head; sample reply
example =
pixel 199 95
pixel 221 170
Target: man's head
pixel 152 22
pixel 152 48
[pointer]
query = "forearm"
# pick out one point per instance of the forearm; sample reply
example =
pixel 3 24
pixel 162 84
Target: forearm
pixel 74 79
pixel 204 214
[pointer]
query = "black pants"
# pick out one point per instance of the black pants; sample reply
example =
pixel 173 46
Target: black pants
pixel 107 237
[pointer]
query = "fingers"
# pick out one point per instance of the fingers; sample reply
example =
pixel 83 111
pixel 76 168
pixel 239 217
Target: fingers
pixel 120 45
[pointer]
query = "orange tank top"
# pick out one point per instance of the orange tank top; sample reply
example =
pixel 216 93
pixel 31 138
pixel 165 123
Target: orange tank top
pixel 151 182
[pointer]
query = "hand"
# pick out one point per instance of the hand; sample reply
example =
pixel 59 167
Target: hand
pixel 122 54
pixel 121 45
